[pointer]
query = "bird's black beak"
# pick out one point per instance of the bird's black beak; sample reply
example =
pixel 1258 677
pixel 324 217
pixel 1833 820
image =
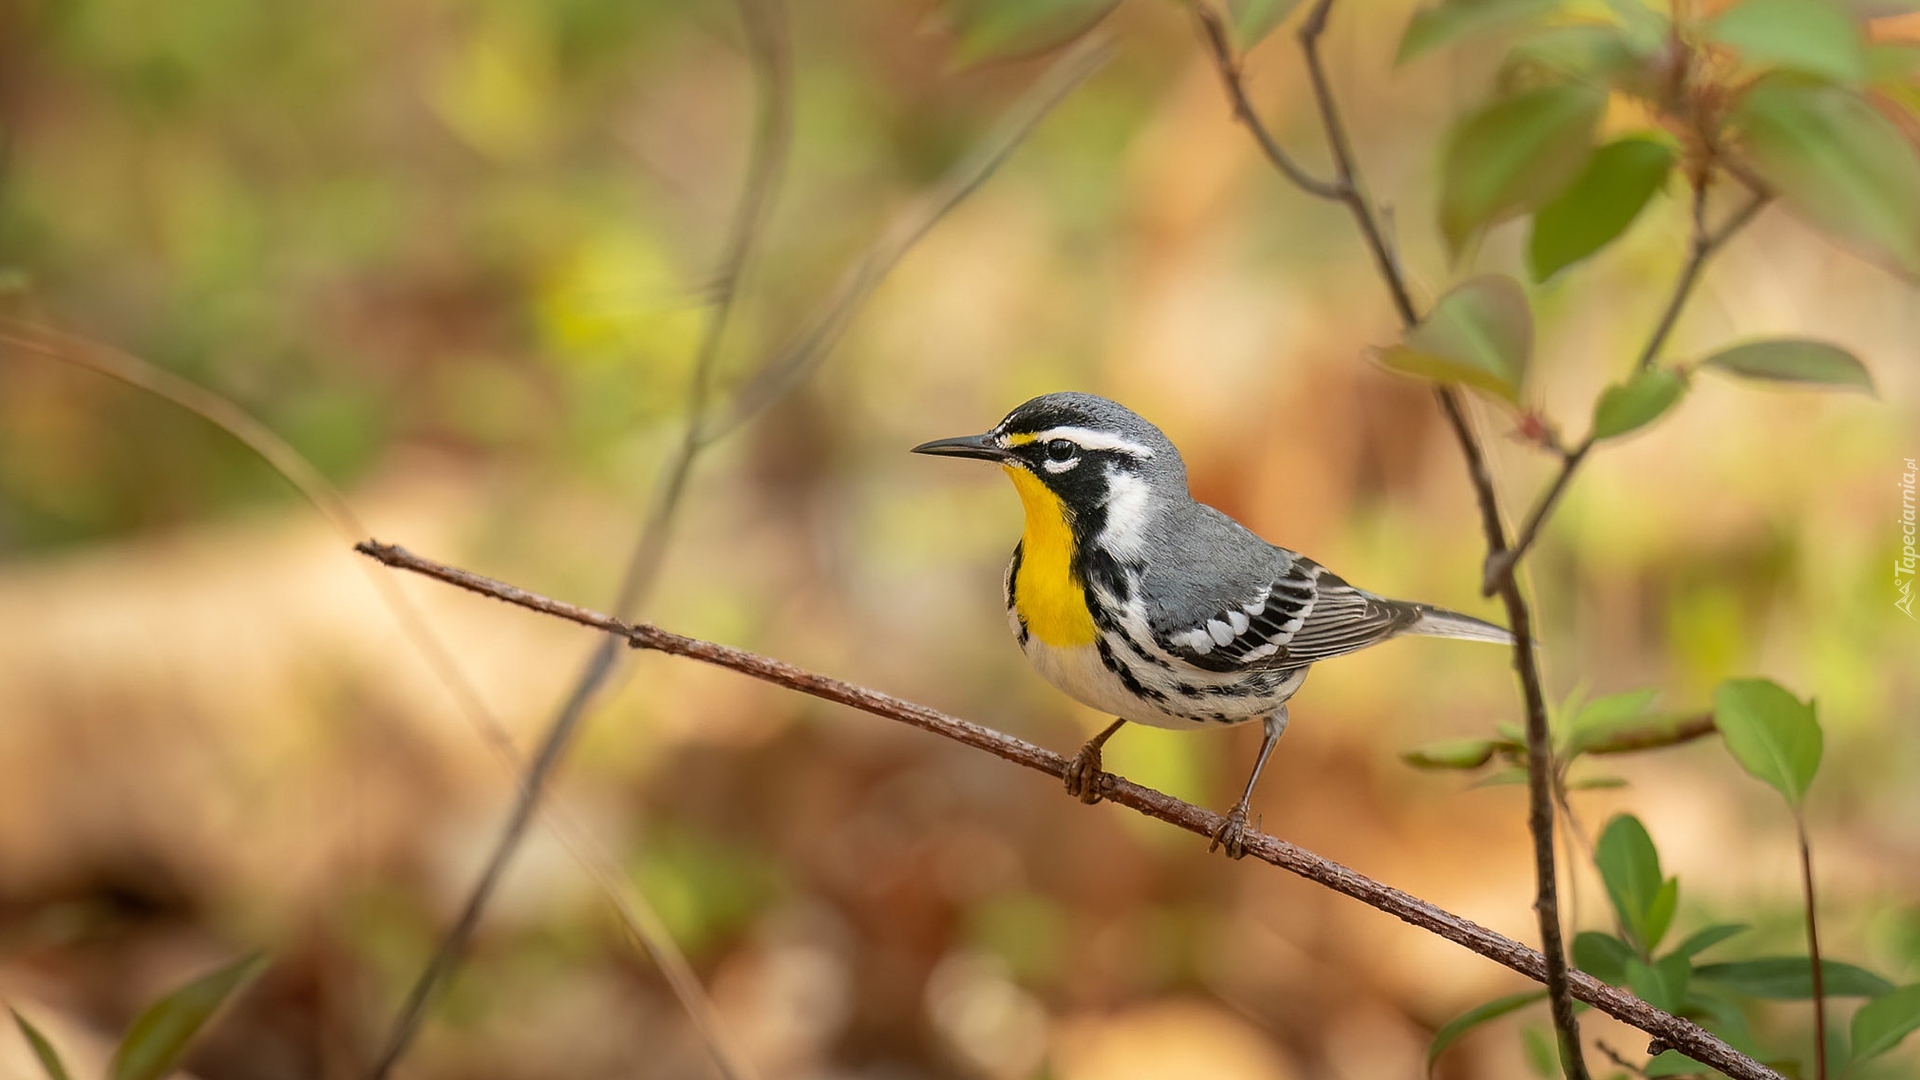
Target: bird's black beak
pixel 972 446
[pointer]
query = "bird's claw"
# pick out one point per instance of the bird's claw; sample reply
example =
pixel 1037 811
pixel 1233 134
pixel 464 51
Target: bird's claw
pixel 1231 833
pixel 1083 774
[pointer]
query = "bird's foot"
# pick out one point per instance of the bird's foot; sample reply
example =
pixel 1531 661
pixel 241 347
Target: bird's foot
pixel 1083 773
pixel 1232 833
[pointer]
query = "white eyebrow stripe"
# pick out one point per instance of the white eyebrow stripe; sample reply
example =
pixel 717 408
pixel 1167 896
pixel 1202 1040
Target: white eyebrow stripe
pixel 1089 439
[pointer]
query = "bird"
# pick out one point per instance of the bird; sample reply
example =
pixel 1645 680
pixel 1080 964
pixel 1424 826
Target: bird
pixel 1132 597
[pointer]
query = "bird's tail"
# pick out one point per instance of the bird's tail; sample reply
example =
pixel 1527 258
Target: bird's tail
pixel 1439 622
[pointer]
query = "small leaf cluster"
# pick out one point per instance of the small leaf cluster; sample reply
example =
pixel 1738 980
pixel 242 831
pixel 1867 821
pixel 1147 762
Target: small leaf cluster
pixel 158 1038
pixel 1776 738
pixel 1611 724
pixel 1480 334
pixel 1777 97
pixel 1784 93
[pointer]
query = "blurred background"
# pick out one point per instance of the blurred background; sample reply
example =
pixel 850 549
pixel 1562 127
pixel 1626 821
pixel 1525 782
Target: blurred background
pixel 458 253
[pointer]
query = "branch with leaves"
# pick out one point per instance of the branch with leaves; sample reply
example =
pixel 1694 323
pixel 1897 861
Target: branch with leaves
pixel 1664 1027
pixel 1533 151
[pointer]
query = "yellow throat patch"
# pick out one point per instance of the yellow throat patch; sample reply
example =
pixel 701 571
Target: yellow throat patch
pixel 1049 598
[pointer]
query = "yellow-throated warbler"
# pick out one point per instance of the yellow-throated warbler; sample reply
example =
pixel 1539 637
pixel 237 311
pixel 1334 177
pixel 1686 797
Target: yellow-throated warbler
pixel 1138 601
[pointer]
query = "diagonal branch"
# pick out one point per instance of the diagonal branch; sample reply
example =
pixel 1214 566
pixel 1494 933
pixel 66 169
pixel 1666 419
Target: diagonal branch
pixel 705 424
pixel 1670 1030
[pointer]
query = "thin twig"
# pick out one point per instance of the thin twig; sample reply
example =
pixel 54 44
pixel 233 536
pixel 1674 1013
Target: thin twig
pixel 1499 568
pixel 1813 946
pixel 1704 245
pixel 1691 1039
pixel 1353 193
pixel 1214 32
pixel 1702 248
pixel 782 371
pixel 641 921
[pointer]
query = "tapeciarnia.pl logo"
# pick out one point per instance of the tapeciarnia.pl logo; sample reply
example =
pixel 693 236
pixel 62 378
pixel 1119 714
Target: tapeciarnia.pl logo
pixel 1903 566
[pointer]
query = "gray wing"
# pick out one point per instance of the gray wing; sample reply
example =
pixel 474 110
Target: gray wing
pixel 1262 609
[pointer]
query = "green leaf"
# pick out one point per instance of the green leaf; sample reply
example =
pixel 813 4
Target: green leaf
pixel 1514 777
pixel 1701 940
pixel 994 29
pixel 1479 334
pixel 1771 733
pixel 1598 719
pixel 1881 1023
pixel 1252 20
pixel 1890 62
pixel 1838 163
pixel 1596 783
pixel 1599 205
pixel 1662 985
pixel 42 1049
pixel 1542 1056
pixel 1630 867
pixel 1631 406
pixel 1666 900
pixel 1451 754
pixel 1451 20
pixel 1790 978
pixel 1794 360
pixel 1724 1018
pixel 1814 36
pixel 1646 28
pixel 1602 956
pixel 1514 155
pixel 1451 1031
pixel 1576 51
pixel 159 1036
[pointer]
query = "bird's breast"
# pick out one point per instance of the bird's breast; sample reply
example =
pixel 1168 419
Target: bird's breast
pixel 1048 596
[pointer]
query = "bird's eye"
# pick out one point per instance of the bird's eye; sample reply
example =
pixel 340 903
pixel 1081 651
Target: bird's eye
pixel 1062 450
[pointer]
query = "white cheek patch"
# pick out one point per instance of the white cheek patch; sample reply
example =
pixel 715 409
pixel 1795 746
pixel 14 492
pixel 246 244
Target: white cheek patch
pixel 1125 533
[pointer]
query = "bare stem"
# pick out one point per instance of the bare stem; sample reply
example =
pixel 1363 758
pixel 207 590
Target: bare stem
pixel 1696 1042
pixel 1214 32
pixel 1813 947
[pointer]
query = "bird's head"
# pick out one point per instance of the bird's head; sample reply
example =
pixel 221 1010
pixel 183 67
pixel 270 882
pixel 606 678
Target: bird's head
pixel 1086 451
